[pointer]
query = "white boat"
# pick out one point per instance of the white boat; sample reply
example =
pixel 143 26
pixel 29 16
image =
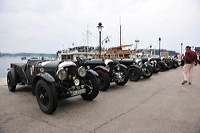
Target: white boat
pixel 72 54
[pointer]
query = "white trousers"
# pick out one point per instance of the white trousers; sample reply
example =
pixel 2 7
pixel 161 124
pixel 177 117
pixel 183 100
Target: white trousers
pixel 188 72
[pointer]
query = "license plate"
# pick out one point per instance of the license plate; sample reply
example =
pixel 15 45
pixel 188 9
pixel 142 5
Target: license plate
pixel 78 92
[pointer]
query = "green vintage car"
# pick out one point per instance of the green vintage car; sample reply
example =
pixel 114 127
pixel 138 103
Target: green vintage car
pixel 52 80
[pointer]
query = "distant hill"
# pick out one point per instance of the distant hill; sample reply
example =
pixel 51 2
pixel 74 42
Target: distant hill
pixel 28 54
pixel 171 52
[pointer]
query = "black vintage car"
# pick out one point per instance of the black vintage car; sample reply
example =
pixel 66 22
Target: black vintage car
pixel 103 78
pixel 136 68
pixel 162 65
pixel 52 80
pixel 171 62
pixel 108 70
pixel 155 64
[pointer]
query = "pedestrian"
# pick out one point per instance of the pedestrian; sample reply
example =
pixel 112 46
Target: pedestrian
pixel 190 61
pixel 182 60
pixel 199 59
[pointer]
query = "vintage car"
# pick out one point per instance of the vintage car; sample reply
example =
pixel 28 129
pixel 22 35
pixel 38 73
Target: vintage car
pixel 52 80
pixel 103 78
pixel 168 63
pixel 136 68
pixel 162 65
pixel 108 71
pixel 154 63
pixel 171 62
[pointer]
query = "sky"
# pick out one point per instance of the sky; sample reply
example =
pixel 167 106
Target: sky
pixel 46 26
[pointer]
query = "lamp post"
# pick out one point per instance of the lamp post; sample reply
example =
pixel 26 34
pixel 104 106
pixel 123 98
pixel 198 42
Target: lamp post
pixel 150 50
pixel 159 45
pixel 100 27
pixel 181 48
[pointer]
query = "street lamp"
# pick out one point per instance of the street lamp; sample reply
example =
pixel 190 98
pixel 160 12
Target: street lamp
pixel 159 45
pixel 150 50
pixel 181 48
pixel 100 27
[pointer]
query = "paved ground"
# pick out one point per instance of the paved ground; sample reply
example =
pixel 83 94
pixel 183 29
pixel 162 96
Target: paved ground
pixel 156 105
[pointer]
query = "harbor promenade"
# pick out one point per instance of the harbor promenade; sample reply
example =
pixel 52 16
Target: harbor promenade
pixel 159 104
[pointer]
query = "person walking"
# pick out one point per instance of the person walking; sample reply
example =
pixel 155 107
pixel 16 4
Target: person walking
pixel 188 68
pixel 182 60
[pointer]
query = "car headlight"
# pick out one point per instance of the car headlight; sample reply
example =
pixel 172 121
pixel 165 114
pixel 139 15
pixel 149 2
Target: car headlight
pixel 62 74
pixel 82 71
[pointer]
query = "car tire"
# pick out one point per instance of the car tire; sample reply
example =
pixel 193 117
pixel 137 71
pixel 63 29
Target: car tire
pixel 156 68
pixel 92 87
pixel 149 72
pixel 169 64
pixel 133 74
pixel 11 82
pixel 125 77
pixel 162 66
pixel 175 65
pixel 46 96
pixel 104 80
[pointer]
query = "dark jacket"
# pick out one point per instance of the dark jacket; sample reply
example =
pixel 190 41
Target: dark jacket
pixel 190 56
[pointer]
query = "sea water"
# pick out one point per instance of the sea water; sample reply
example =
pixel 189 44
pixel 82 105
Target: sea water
pixel 5 64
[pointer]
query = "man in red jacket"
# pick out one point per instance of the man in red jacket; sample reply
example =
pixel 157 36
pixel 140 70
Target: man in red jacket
pixel 190 61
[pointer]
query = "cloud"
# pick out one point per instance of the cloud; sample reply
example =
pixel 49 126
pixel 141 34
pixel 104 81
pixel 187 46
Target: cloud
pixel 48 26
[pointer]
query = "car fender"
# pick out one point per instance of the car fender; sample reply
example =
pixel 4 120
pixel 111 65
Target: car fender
pixel 92 72
pixel 13 74
pixel 135 66
pixel 46 76
pixel 101 68
pixel 108 61
pixel 122 66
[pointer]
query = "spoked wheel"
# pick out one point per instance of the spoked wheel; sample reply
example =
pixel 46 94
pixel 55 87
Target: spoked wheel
pixel 46 96
pixel 134 75
pixel 148 72
pixel 123 77
pixel 92 88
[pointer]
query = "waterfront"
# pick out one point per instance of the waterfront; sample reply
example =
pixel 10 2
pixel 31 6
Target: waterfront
pixel 5 64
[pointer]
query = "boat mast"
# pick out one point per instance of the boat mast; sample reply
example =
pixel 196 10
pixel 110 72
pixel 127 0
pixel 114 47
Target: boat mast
pixel 120 36
pixel 87 40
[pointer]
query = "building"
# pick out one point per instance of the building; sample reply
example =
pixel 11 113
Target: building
pixel 156 51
